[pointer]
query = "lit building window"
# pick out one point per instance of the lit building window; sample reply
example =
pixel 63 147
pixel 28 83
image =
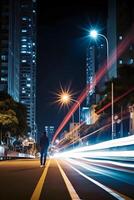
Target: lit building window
pixel 3 57
pixel 23 51
pixel 120 37
pixel 120 62
pixel 33 11
pixel 23 40
pixel 28 85
pixel 29 79
pixel 24 45
pixel 3 79
pixel 24 18
pixel 23 91
pixel 23 61
pixel 131 61
pixel 23 30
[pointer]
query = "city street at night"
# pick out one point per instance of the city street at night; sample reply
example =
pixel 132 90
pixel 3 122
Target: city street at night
pixel 66 100
pixel 68 177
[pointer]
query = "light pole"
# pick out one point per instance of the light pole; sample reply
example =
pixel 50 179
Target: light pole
pixel 66 98
pixel 94 34
pixel 79 107
pixel 112 109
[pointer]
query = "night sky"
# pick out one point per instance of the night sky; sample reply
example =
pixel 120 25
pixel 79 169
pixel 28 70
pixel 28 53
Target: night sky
pixel 61 52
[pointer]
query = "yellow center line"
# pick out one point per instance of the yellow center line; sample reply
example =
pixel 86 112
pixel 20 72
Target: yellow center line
pixel 72 192
pixel 38 189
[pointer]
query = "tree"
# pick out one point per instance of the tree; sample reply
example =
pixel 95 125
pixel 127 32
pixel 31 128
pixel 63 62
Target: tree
pixel 8 120
pixel 13 116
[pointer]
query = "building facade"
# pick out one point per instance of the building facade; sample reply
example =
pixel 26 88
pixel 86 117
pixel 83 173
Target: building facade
pixel 18 54
pixel 119 24
pixel 96 56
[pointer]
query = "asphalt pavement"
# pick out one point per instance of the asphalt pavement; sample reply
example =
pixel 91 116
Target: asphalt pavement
pixel 65 180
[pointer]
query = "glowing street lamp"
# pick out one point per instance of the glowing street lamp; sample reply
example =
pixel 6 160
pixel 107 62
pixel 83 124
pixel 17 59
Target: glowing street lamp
pixel 94 34
pixel 66 98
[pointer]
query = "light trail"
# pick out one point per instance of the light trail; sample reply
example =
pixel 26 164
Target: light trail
pixel 120 164
pixel 106 170
pixel 115 100
pixel 112 192
pixel 108 124
pixel 115 55
pixel 92 150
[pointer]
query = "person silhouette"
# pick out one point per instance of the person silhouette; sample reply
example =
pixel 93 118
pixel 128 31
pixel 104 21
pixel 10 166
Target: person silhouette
pixel 44 143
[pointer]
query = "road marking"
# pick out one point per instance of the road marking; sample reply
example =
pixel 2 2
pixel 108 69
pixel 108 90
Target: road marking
pixel 112 192
pixel 72 192
pixel 38 189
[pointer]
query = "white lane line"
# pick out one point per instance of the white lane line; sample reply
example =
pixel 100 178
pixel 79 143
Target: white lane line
pixel 38 189
pixel 114 193
pixel 72 192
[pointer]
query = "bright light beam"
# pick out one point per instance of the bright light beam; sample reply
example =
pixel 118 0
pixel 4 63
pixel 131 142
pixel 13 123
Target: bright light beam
pixel 98 150
pixel 115 55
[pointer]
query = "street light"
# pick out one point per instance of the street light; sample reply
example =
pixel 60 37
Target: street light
pixel 66 98
pixel 94 34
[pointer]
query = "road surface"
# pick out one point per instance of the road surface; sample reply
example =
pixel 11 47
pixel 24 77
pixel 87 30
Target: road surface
pixel 66 179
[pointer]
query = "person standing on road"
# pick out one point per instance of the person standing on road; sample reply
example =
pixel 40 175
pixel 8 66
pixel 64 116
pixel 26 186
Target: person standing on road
pixel 44 143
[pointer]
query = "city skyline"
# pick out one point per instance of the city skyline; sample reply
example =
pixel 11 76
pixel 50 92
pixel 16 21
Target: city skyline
pixel 67 100
pixel 18 55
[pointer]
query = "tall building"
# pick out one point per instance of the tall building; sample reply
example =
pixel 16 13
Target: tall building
pixel 120 21
pixel 18 54
pixel 85 115
pixel 50 132
pixel 96 56
pixel 4 39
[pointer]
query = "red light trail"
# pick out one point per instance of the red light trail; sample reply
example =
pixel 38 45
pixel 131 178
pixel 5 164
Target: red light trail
pixel 116 54
pixel 115 100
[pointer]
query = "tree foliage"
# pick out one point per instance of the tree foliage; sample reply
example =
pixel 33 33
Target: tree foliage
pixel 12 116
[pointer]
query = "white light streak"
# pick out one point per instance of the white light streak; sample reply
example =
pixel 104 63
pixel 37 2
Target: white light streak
pixel 84 151
pixel 110 191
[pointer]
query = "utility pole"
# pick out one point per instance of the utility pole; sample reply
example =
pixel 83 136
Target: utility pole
pixel 112 110
pixel 121 124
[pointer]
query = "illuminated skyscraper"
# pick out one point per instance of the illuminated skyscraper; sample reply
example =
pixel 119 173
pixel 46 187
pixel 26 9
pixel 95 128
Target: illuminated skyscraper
pixel 18 54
